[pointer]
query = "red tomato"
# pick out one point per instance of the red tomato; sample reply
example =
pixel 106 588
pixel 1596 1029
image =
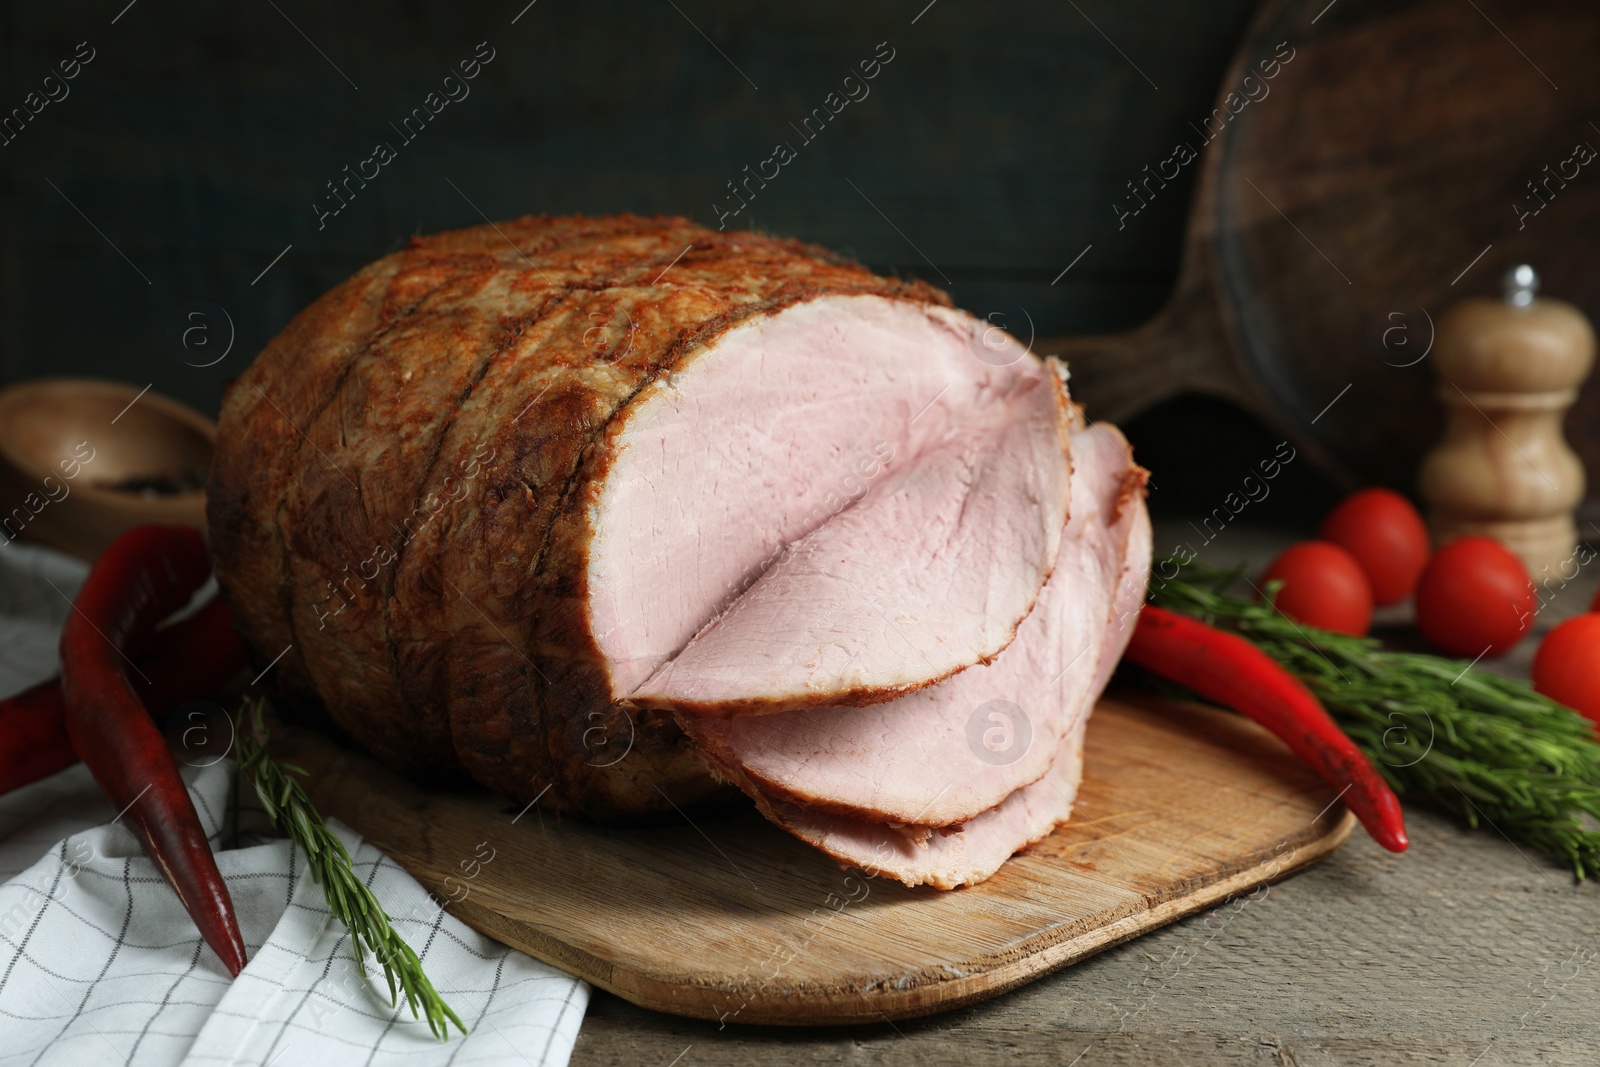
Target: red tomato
pixel 1323 586
pixel 1475 598
pixel 1567 666
pixel 1385 534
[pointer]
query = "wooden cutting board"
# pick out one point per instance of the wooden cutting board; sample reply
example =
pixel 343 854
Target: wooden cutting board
pixel 720 915
pixel 1381 173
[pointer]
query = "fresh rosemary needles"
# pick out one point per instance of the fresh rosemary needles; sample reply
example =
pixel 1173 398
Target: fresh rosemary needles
pixel 1481 747
pixel 351 902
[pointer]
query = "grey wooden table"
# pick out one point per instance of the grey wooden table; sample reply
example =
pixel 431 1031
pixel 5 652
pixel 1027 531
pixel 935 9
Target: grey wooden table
pixel 1464 950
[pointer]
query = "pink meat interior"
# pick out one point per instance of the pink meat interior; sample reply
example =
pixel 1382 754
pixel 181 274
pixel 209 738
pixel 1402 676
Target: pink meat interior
pixel 772 433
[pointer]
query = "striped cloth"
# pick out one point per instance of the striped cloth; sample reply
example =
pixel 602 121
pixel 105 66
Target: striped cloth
pixel 100 964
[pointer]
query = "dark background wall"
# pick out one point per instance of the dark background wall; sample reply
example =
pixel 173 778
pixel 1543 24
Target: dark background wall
pixel 190 151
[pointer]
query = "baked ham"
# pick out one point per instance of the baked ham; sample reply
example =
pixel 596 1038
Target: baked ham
pixel 610 513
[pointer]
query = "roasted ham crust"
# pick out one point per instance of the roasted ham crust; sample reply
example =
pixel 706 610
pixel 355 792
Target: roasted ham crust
pixel 404 471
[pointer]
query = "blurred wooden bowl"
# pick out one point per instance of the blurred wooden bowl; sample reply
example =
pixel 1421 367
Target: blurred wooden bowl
pixel 82 460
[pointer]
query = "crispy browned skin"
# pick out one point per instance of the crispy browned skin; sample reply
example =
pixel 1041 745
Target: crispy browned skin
pixel 402 477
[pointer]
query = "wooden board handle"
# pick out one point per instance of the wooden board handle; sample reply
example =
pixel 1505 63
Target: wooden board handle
pixel 1182 349
pixel 1118 375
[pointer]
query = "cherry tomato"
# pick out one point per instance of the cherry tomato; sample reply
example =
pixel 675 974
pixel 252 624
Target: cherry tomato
pixel 1475 598
pixel 1385 534
pixel 1323 586
pixel 1567 666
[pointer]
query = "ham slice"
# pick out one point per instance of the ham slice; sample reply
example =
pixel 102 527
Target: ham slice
pixel 1133 527
pixel 836 504
pixel 946 860
pixel 926 575
pixel 864 785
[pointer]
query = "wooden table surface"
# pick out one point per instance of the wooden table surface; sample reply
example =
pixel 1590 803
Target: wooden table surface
pixel 1464 950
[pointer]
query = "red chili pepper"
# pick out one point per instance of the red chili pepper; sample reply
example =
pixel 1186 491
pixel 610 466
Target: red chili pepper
pixel 187 660
pixel 147 574
pixel 1229 669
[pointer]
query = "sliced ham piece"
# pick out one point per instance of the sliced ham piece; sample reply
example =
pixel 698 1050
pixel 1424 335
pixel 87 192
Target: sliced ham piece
pixel 864 785
pixel 920 759
pixel 926 575
pixel 1133 527
pixel 946 860
pixel 836 504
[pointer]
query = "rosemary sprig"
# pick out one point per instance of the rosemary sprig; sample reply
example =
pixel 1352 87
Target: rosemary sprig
pixel 1475 744
pixel 351 902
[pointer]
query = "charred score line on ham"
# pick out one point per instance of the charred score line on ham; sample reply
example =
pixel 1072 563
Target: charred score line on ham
pixel 286 581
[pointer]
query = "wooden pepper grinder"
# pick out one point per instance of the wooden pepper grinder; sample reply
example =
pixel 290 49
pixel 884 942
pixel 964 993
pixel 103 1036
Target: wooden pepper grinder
pixel 1508 371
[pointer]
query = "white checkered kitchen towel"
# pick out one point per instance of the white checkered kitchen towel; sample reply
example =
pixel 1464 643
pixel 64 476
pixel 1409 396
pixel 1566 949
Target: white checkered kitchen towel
pixel 100 964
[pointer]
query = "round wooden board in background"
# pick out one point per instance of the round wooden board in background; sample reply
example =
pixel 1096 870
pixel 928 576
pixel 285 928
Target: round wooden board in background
pixel 1375 181
pixel 721 915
